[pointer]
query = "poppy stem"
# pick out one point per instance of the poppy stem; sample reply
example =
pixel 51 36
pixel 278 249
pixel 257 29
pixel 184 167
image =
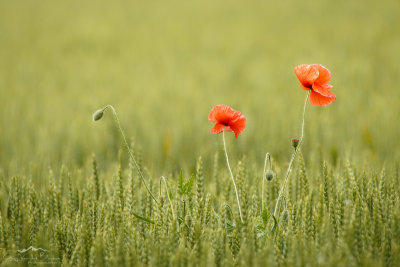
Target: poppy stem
pixel 267 158
pixel 233 179
pixel 128 148
pixel 289 170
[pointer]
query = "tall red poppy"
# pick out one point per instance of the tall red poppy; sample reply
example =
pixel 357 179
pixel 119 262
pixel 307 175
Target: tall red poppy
pixel 227 119
pixel 315 77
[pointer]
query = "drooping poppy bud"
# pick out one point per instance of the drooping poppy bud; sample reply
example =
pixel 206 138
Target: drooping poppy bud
pixel 98 115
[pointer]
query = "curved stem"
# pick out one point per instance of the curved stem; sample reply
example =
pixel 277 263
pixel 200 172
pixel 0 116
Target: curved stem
pixel 233 179
pixel 128 148
pixel 289 170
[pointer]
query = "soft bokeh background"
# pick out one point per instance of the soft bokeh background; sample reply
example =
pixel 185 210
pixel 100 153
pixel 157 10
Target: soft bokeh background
pixel 164 64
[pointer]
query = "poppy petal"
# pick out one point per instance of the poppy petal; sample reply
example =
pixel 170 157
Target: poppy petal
pixel 307 74
pixel 228 128
pixel 324 74
pixel 319 100
pixel 238 125
pixel 323 89
pixel 221 114
pixel 304 88
pixel 218 128
pixel 213 112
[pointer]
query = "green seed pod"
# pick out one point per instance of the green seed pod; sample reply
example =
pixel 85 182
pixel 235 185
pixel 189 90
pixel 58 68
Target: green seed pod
pixel 269 175
pixel 98 115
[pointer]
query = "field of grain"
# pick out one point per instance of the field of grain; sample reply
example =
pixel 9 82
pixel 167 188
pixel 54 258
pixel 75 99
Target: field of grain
pixel 70 194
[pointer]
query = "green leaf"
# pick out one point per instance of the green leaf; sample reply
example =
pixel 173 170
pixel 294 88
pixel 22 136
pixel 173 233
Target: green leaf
pixel 184 188
pixel 189 184
pixel 142 218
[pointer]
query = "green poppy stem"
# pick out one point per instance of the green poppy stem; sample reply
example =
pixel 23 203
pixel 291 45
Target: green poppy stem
pixel 289 170
pixel 233 179
pixel 128 148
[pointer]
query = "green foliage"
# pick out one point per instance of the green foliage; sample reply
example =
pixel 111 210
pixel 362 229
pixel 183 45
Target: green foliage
pixel 185 188
pixel 77 229
pixel 164 65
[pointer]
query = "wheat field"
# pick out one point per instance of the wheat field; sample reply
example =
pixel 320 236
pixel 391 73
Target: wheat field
pixel 71 195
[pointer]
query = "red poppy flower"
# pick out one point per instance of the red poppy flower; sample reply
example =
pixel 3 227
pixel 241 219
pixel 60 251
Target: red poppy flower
pixel 227 119
pixel 315 77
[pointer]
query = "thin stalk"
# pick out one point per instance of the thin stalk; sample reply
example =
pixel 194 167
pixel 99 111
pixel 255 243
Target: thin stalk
pixel 169 198
pixel 267 158
pixel 233 179
pixel 289 170
pixel 128 148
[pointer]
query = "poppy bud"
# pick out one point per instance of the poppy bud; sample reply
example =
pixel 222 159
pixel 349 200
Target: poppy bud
pixel 295 143
pixel 269 175
pixel 98 114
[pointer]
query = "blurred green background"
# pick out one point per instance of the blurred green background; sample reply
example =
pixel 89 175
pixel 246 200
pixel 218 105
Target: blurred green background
pixel 165 64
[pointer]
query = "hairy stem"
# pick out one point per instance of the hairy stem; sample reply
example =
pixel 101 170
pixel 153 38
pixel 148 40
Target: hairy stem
pixel 289 170
pixel 233 179
pixel 129 149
